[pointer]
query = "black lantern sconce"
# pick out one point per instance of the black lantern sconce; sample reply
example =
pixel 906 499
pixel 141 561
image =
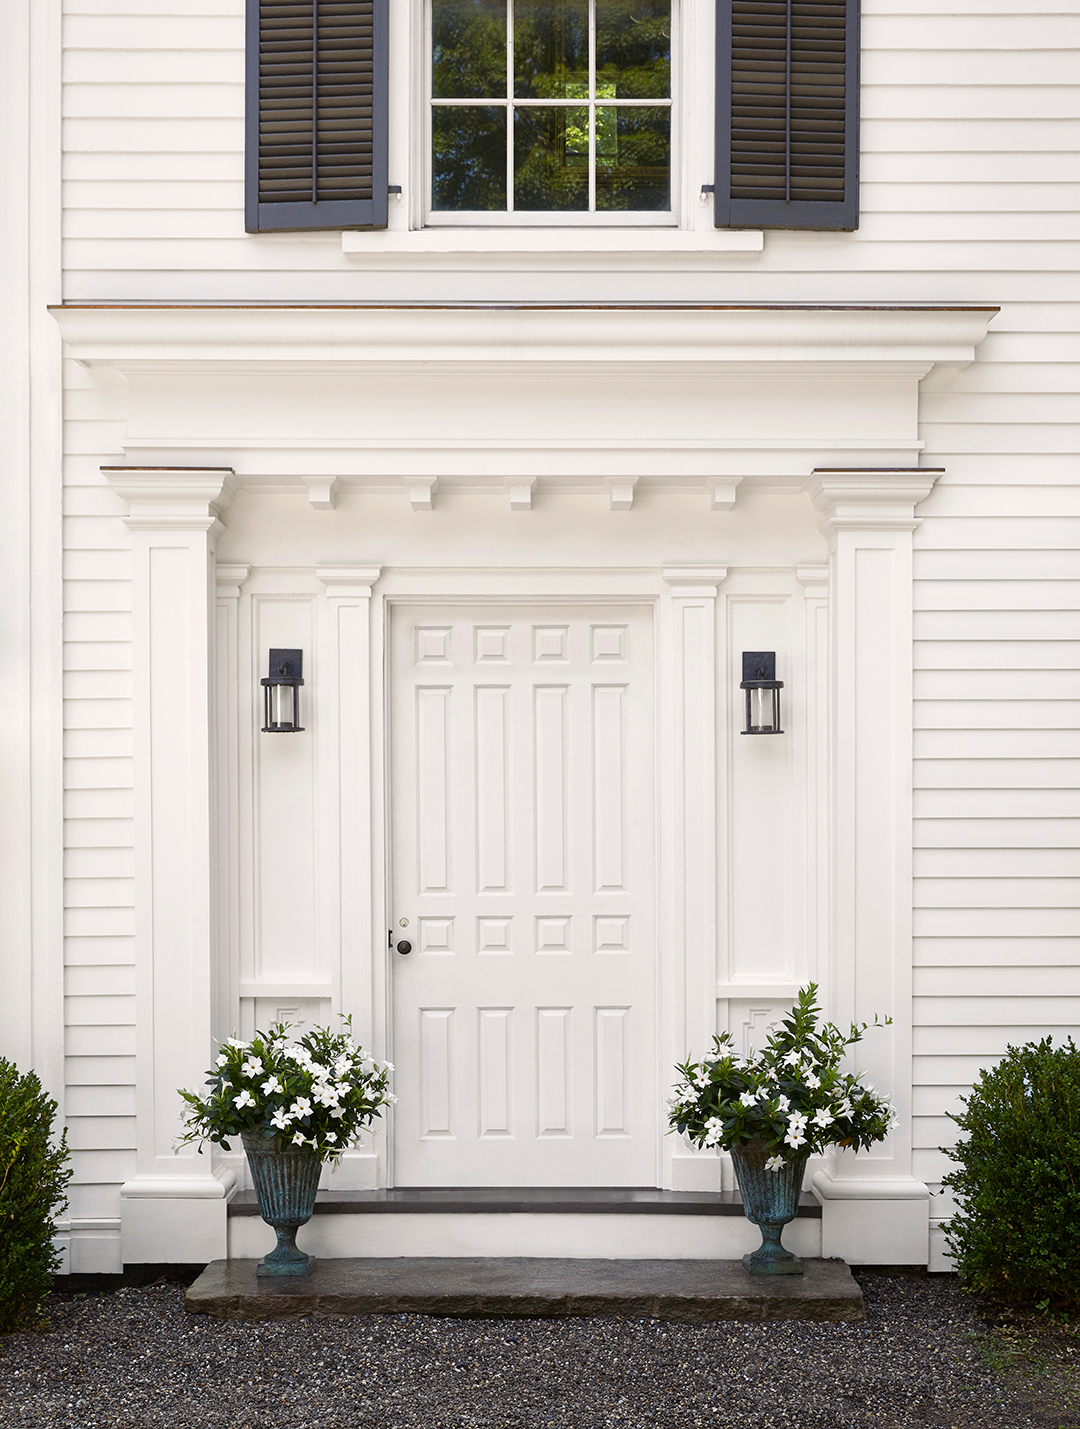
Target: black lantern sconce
pixel 281 693
pixel 762 692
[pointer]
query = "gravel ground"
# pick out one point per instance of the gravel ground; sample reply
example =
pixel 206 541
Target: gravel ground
pixel 134 1359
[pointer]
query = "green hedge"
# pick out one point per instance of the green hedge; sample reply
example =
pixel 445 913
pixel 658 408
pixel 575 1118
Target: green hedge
pixel 1016 1236
pixel 33 1177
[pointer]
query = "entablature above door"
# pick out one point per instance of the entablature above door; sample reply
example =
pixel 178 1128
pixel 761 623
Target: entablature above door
pixel 517 400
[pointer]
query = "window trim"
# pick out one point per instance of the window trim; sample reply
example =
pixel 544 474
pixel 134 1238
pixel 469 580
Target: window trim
pixel 557 218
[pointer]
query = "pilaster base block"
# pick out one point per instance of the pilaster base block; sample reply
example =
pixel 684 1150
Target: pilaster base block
pixel 359 1172
pixel 175 1221
pixel 879 1220
pixel 696 1173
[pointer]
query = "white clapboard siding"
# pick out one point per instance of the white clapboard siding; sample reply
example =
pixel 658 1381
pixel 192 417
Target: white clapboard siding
pixel 99 859
pixel 969 194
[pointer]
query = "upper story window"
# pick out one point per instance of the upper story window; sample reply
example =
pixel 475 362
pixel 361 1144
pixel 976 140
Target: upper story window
pixel 550 109
pixel 552 112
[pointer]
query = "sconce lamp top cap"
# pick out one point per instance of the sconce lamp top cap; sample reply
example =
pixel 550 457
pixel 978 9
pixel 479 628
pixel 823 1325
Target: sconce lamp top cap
pixel 286 668
pixel 759 671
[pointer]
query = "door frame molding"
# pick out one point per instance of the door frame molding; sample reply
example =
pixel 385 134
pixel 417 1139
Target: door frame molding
pixel 684 605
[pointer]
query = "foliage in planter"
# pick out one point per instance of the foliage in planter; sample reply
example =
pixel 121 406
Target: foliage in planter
pixel 792 1094
pixel 1016 1236
pixel 33 1178
pixel 319 1091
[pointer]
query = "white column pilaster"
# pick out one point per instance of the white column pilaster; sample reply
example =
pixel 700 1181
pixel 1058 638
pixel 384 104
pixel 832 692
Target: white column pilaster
pixel 360 964
pixel 689 794
pixel 174 1208
pixel 875 1210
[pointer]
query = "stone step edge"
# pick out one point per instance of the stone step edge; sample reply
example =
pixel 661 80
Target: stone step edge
pixel 685 1292
pixel 405 1200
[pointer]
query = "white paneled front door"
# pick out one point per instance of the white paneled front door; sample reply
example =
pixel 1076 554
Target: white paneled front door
pixel 523 848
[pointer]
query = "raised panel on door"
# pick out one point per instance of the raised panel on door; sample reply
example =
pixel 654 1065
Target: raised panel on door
pixel 523 858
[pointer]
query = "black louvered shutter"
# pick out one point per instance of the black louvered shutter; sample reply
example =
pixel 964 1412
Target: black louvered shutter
pixel 787 114
pixel 316 114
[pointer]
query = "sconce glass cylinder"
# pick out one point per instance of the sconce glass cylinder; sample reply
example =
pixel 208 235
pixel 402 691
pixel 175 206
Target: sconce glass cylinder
pixel 762 692
pixel 281 693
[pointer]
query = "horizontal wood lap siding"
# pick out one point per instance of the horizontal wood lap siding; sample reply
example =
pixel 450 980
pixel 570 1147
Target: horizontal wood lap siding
pixel 997 768
pixel 787 99
pixel 99 952
pixel 316 114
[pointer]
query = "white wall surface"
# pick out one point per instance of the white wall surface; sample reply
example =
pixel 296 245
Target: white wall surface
pixel 969 194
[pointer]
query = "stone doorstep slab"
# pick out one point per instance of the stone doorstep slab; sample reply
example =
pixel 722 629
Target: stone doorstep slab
pixel 688 1292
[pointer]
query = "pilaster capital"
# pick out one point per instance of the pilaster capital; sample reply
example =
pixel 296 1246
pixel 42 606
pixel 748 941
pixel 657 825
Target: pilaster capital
pixel 870 498
pixel 230 579
pixel 184 498
pixel 694 580
pixel 355 581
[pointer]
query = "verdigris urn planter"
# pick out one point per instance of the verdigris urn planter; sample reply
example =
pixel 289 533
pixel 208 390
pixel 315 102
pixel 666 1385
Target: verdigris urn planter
pixel 770 1200
pixel 285 1184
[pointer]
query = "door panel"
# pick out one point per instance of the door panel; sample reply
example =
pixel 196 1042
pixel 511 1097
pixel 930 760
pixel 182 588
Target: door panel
pixel 523 858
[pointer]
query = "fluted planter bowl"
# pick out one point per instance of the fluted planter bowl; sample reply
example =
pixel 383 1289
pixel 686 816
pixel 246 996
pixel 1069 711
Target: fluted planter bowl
pixel 770 1200
pixel 285 1184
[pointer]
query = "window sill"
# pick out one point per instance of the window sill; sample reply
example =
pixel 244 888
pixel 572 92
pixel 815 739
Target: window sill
pixel 420 242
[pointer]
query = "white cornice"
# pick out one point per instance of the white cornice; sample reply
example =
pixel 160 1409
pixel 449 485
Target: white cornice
pixel 728 336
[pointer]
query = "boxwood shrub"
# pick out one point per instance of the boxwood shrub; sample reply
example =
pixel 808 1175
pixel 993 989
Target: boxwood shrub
pixel 33 1178
pixel 1016 1236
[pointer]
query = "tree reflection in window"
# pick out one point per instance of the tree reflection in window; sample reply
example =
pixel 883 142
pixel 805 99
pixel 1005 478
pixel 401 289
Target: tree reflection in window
pixel 551 105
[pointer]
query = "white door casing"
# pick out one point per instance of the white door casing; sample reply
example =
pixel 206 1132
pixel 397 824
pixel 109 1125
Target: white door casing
pixel 523 856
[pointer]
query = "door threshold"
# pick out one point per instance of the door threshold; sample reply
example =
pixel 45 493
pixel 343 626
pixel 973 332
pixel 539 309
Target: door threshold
pixel 518 1200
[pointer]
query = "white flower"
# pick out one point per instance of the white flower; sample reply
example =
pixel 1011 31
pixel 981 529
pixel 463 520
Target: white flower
pixel 341 1067
pixel 281 1119
pixel 300 1107
pixel 244 1098
pixel 843 1108
pixel 792 1058
pixel 299 1139
pixel 774 1163
pixel 223 1061
pixel 795 1137
pixel 702 1079
pixel 338 1112
pixel 272 1085
pixel 782 1103
pixel 367 1065
pixel 714 1124
pixel 236 1042
pixel 330 1136
pixel 325 1095
pixel 812 1080
pixel 252 1068
pixel 823 1118
pixel 386 1067
pixel 712 1138
pixel 894 1122
pixel 748 1098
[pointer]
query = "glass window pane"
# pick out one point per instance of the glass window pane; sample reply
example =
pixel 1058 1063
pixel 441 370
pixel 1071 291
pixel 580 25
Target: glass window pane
pixel 551 159
pixel 551 49
pixel 468 49
pixel 468 157
pixel 633 49
pixel 633 159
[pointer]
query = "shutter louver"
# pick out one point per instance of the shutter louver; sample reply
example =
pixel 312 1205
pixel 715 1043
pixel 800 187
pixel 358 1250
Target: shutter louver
pixel 787 98
pixel 316 114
